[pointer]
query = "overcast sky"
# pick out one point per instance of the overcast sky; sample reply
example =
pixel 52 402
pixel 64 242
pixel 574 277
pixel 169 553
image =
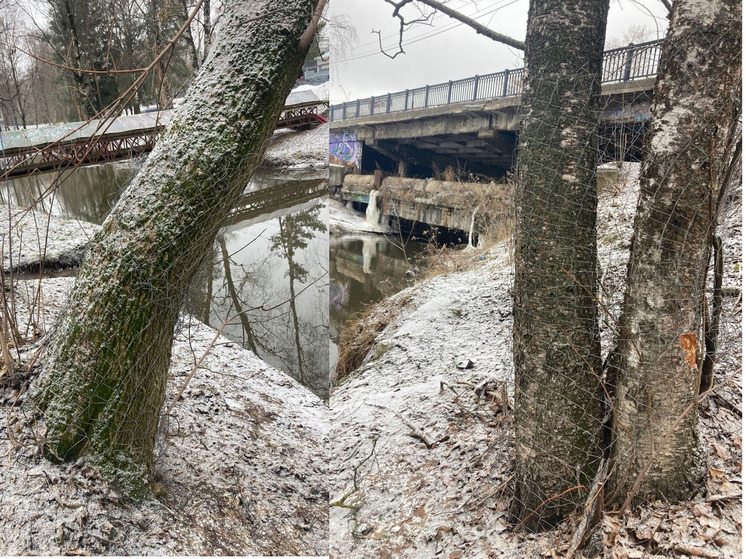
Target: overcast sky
pixel 448 50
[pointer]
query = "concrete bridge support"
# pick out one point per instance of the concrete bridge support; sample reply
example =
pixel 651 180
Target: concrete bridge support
pixel 454 205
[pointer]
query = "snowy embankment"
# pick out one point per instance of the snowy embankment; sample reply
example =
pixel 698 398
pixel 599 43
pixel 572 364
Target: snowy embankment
pixel 240 464
pixel 299 151
pixel 241 460
pixel 422 450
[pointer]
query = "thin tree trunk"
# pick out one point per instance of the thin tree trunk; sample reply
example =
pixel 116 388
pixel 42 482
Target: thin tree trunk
pixel 207 27
pixel 556 344
pixel 104 381
pixel 250 339
pixel 687 152
pixel 189 36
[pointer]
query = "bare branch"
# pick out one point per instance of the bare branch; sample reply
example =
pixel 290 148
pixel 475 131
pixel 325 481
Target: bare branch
pixel 478 27
pixel 310 33
pixel 423 19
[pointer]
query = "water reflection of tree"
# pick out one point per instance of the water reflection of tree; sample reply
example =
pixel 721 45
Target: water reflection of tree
pixel 249 338
pixel 295 232
pixel 87 194
pixel 285 323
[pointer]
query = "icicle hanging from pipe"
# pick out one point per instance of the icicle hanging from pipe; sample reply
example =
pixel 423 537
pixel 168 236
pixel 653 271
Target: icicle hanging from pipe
pixel 373 214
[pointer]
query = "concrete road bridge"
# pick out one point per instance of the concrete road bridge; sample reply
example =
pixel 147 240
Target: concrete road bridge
pixel 473 122
pixel 389 144
pixel 63 146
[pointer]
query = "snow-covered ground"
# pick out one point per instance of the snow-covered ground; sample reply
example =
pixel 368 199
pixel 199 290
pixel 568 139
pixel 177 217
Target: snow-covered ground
pixel 30 237
pixel 241 461
pixel 299 151
pixel 422 450
pixel 240 465
pixel 302 150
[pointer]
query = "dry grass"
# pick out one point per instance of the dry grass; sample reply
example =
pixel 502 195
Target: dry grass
pixel 361 331
pixel 438 260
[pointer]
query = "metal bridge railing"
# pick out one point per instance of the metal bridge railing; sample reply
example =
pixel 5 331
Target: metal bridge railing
pixel 629 63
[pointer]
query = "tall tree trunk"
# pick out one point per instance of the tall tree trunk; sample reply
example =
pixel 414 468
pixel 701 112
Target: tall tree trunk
pixel 104 381
pixel 206 27
pixel 687 152
pixel 556 344
pixel 189 36
pixel 84 87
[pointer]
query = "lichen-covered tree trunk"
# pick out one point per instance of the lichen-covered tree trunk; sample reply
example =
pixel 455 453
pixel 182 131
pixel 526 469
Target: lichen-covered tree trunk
pixel 687 151
pixel 104 381
pixel 556 344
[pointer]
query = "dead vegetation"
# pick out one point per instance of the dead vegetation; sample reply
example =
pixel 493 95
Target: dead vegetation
pixel 360 333
pixel 437 260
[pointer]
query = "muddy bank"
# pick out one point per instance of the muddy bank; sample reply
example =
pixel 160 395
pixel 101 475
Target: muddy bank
pixel 422 451
pixel 240 464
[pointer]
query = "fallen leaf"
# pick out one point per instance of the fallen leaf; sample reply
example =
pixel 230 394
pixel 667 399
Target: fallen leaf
pixel 696 551
pixel 716 474
pixel 419 512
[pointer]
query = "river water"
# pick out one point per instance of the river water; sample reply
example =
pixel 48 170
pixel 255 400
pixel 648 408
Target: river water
pixel 365 268
pixel 266 275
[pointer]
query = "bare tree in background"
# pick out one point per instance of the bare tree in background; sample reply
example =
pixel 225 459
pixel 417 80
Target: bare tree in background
pixel 15 80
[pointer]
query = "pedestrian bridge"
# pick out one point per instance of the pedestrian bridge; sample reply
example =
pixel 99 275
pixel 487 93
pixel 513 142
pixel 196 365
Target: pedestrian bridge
pixel 473 122
pixel 63 146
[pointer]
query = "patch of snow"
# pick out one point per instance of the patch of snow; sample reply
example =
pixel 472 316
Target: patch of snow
pixel 307 149
pixel 30 236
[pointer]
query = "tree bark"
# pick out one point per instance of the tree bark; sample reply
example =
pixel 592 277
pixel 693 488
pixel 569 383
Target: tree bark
pixel 692 138
pixel 104 380
pixel 556 344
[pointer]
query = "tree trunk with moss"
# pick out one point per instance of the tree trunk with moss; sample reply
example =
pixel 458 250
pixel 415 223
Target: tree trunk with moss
pixel 693 138
pixel 556 344
pixel 103 383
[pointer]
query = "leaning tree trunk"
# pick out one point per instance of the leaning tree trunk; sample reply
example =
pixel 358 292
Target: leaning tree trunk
pixel 556 344
pixel 688 149
pixel 104 382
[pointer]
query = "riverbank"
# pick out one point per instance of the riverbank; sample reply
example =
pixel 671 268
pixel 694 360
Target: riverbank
pixel 422 432
pixel 240 466
pixel 240 463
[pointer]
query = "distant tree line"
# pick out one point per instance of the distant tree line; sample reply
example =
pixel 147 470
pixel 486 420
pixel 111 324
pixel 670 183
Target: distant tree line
pixel 63 60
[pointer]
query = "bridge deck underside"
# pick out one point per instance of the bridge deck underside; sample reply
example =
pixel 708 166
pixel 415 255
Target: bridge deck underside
pixel 483 136
pixel 488 152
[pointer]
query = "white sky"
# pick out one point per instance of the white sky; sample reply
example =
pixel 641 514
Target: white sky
pixel 448 50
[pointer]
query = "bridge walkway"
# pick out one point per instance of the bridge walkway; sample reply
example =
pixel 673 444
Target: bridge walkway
pixel 61 146
pixel 621 66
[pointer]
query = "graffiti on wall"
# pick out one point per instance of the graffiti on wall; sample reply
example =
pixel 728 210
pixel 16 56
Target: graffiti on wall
pixel 344 149
pixel 634 113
